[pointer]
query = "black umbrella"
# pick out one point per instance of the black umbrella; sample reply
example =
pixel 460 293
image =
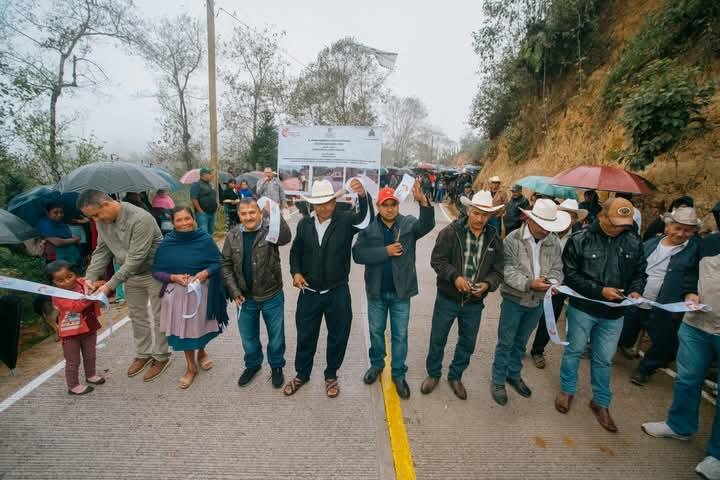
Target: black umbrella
pixel 112 177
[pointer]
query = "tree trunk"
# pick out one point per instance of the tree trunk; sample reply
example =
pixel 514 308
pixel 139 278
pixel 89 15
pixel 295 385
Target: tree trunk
pixel 187 154
pixel 52 152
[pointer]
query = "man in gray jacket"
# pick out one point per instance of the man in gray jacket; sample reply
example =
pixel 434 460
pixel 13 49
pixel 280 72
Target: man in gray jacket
pixel 129 235
pixel 387 249
pixel 269 186
pixel 533 263
pixel 253 277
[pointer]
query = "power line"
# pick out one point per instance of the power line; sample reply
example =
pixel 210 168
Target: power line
pixel 252 30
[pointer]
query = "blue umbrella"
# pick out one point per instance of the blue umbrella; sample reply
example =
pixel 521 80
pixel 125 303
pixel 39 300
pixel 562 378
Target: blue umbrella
pixel 30 205
pixel 173 184
pixel 542 185
pixel 14 230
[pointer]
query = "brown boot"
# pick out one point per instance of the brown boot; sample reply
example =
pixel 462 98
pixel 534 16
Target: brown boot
pixel 155 370
pixel 138 365
pixel 603 417
pixel 563 402
pixel 429 384
pixel 458 389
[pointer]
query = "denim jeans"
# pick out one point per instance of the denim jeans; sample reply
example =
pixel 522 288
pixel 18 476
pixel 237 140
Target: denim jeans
pixel 661 326
pixel 249 325
pixel 514 329
pixel 399 310
pixel 444 314
pixel 697 351
pixel 604 334
pixel 205 221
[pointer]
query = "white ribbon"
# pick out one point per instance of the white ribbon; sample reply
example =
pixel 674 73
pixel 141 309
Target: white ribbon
pixel 404 187
pixel 551 325
pixel 194 287
pixel 11 283
pixel 371 188
pixel 274 227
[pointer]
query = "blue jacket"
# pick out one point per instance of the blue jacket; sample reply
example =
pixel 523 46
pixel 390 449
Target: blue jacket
pixel 370 251
pixel 681 277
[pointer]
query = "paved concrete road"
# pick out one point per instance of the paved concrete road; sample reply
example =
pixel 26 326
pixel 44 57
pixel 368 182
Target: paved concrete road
pixel 128 429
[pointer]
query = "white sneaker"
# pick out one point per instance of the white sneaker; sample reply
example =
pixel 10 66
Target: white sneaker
pixel 709 468
pixel 662 430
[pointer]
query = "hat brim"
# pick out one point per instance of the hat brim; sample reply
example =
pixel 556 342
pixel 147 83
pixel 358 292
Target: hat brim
pixel 320 199
pixel 580 212
pixel 560 224
pixel 469 203
pixel 668 218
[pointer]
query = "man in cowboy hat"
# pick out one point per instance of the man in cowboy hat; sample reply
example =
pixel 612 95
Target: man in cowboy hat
pixel 499 199
pixel 533 263
pixel 513 216
pixel 387 249
pixel 603 262
pixel 320 265
pixel 672 262
pixel 468 260
pixel 699 346
pixel 577 217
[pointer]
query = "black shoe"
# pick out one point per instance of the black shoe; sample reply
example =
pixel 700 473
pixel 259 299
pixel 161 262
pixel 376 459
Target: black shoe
pixel 247 375
pixel 277 377
pixel 402 387
pixel 499 393
pixel 519 386
pixel 639 377
pixel 371 375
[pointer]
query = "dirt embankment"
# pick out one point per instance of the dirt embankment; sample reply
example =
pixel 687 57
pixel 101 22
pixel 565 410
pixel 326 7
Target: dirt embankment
pixel 579 132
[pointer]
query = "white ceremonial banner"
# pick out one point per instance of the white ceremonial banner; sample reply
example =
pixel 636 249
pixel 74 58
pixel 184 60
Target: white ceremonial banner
pixel 306 154
pixel 404 187
pixel 371 188
pixel 194 287
pixel 274 227
pixel 551 324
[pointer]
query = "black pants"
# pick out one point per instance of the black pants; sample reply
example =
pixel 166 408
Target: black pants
pixel 541 334
pixel 336 307
pixel 661 326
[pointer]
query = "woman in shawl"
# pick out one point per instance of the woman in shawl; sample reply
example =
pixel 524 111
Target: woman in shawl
pixel 188 256
pixel 162 205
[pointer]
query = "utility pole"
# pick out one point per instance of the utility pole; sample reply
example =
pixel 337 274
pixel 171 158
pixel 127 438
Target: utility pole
pixel 212 94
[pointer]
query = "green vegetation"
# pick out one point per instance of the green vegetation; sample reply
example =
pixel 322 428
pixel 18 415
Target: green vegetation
pixel 665 105
pixel 16 263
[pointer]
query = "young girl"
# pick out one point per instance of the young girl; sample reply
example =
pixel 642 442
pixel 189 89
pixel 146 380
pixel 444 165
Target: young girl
pixel 75 312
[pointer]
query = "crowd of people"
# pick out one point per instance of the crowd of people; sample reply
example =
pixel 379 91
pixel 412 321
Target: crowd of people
pixel 525 248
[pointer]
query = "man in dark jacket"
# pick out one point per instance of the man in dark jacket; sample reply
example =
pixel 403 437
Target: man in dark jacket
pixel 251 269
pixel 320 265
pixel 387 249
pixel 603 262
pixel 468 260
pixel 672 264
pixel 513 213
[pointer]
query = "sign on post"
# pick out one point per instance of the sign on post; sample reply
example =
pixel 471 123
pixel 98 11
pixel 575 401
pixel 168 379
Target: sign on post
pixel 306 154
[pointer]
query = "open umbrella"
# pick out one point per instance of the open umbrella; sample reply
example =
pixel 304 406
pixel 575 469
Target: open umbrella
pixel 543 186
pixel 251 178
pixel 14 230
pixel 112 177
pixel 30 205
pixel 425 166
pixel 605 178
pixel 192 176
pixel 173 184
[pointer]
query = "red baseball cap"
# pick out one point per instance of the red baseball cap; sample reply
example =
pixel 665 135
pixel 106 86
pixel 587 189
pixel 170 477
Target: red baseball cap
pixel 386 193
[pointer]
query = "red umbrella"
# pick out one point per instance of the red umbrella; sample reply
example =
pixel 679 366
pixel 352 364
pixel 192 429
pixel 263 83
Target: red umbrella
pixel 603 177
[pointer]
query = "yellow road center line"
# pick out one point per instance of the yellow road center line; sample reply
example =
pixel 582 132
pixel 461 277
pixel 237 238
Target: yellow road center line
pixel 399 443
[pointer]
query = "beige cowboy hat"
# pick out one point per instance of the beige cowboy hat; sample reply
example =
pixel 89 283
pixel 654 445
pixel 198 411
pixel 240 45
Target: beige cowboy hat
pixel 684 216
pixel 322 192
pixel 571 205
pixel 481 200
pixel 547 214
pixel 494 179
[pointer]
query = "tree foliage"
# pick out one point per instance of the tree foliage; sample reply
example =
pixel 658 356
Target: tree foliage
pixel 404 118
pixel 263 148
pixel 344 86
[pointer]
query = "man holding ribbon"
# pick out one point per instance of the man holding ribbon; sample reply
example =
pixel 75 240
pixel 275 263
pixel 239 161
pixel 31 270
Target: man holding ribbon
pixel 533 264
pixel 468 260
pixel 604 263
pixel 387 249
pixel 320 266
pixel 253 277
pixel 129 235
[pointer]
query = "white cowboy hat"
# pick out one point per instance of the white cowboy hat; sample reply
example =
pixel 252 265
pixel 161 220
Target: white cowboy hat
pixel 494 179
pixel 545 213
pixel 482 200
pixel 571 205
pixel 322 192
pixel 684 216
